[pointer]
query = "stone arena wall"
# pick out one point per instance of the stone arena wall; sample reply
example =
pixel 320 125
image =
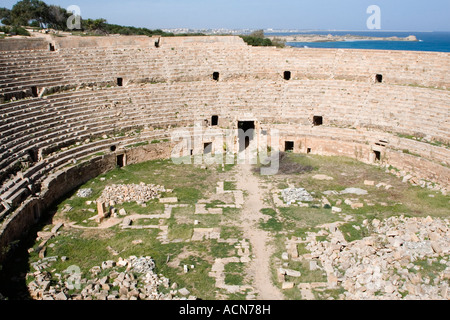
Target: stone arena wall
pixel 73 105
pixel 23 44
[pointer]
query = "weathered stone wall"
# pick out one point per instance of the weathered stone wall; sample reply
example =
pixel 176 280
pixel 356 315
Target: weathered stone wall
pixel 17 224
pixel 23 44
pixel 149 152
pixel 103 42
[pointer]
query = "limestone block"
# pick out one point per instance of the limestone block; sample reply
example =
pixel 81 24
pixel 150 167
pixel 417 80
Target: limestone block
pixel 168 200
pixel 322 177
pixel 357 205
pixel 287 285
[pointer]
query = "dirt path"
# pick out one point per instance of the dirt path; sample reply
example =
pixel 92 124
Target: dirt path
pixel 259 268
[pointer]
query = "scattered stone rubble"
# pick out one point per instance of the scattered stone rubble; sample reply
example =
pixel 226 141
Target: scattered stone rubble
pixel 382 266
pixel 141 193
pixel 292 195
pixel 137 282
pixel 415 181
pixel 84 193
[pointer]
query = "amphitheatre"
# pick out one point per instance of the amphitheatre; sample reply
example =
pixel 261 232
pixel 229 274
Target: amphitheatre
pixel 88 184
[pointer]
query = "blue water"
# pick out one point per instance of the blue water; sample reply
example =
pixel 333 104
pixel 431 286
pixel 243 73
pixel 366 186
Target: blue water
pixel 428 41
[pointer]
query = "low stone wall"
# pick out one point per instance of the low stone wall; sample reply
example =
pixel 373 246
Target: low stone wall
pixel 23 44
pixel 18 223
pixel 98 42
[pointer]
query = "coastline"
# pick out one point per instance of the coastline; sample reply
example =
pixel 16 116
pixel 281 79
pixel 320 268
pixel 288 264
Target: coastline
pixel 331 38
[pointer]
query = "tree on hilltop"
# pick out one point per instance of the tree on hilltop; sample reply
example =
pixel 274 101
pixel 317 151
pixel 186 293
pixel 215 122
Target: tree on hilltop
pixel 256 38
pixel 57 17
pixel 26 11
pixel 257 34
pixel 5 16
pixel 97 25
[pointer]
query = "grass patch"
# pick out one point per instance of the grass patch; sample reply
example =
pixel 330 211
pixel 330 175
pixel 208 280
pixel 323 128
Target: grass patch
pixel 269 211
pixel 271 225
pixel 430 270
pixel 214 204
pixel 230 232
pixel 140 144
pixel 197 279
pixel 229 185
pixel 146 222
pixel 152 207
pixel 234 273
pixel 329 293
pixel 287 165
pixel 188 195
pixel 234 267
pixel 221 250
pixel 233 279
pixel 308 217
pixel 180 231
pixel 351 233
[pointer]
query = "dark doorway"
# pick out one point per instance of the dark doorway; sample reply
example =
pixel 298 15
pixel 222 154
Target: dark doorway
pixel 377 155
pixel 215 120
pixel 207 148
pixel 287 75
pixel 216 76
pixel 34 91
pixel 308 150
pixel 33 155
pixel 317 120
pixel 120 82
pixel 157 42
pixel 379 78
pixel 120 160
pixel 51 47
pixel 289 146
pixel 246 131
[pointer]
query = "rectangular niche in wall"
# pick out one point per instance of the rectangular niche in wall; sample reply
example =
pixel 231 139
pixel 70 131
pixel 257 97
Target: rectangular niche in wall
pixel 317 120
pixel 207 148
pixel 289 146
pixel 216 76
pixel 214 120
pixel 120 82
pixel 287 75
pixel 379 78
pixel 308 150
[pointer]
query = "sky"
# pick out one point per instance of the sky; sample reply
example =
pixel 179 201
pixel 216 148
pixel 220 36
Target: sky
pixel 398 15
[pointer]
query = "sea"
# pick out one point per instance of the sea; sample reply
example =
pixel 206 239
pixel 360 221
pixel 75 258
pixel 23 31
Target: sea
pixel 427 41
